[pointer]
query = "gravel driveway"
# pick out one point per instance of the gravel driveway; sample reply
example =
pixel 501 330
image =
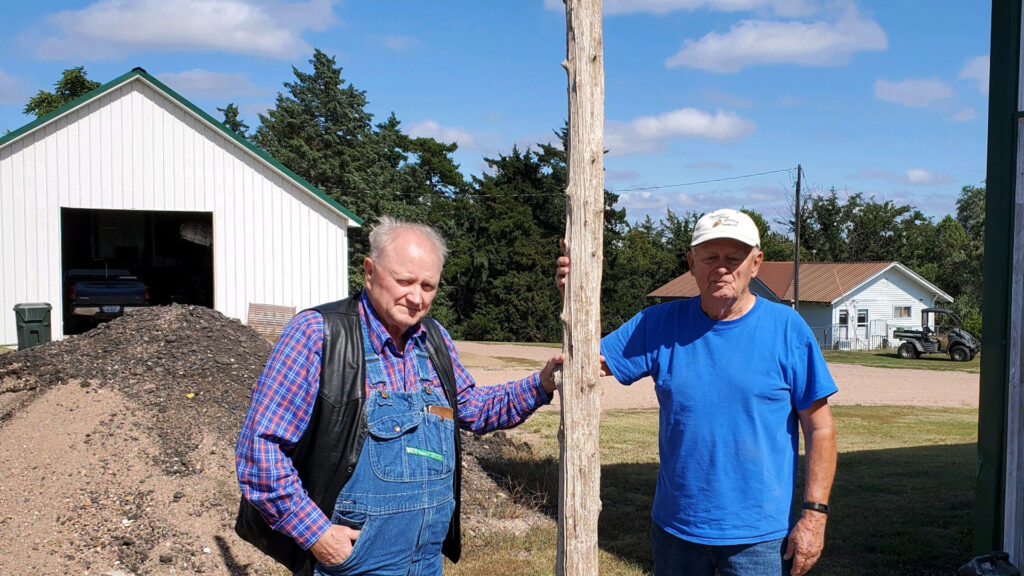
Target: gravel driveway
pixel 492 363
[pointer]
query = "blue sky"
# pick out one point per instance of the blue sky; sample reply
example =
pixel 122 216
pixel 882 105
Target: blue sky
pixel 883 97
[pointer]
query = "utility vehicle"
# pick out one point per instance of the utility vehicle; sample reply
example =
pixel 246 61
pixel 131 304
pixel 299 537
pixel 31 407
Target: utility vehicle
pixel 942 332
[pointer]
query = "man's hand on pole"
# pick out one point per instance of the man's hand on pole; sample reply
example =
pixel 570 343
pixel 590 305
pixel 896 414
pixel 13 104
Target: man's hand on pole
pixel 562 270
pixel 547 375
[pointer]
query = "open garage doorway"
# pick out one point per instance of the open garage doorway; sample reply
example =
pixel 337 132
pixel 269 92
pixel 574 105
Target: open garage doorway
pixel 169 254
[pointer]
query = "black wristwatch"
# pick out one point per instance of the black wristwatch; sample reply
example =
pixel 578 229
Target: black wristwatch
pixel 816 506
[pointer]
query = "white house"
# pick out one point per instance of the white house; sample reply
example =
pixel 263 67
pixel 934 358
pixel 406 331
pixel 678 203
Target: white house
pixel 134 176
pixel 848 305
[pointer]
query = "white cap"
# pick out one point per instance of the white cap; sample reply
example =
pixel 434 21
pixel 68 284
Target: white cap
pixel 726 223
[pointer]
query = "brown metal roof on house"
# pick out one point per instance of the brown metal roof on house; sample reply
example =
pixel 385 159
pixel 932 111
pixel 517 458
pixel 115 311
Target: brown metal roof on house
pixel 819 281
pixel 778 276
pixel 681 287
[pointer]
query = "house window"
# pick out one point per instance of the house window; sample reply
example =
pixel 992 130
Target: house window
pixel 844 317
pixel 862 318
pixel 901 311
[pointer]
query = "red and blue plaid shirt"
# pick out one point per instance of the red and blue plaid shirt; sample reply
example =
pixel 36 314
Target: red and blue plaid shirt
pixel 283 398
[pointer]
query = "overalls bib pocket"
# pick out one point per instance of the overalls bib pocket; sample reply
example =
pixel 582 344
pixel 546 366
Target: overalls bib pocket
pixel 407 446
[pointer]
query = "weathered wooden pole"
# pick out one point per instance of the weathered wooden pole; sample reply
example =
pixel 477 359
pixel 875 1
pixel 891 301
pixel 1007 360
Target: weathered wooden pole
pixel 579 482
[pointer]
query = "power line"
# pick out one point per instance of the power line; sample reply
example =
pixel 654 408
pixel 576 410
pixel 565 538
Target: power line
pixel 703 181
pixel 561 193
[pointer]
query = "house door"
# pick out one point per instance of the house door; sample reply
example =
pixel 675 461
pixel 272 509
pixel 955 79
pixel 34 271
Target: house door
pixel 862 329
pixel 843 330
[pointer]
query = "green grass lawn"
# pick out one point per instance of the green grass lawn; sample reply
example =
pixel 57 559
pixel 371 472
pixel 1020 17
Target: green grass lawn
pixel 903 496
pixel 889 359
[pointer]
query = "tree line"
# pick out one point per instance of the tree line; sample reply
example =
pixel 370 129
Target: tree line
pixel 503 226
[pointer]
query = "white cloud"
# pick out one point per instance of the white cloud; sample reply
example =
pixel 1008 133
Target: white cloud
pixel 926 177
pixel 754 42
pixel 649 133
pixel 488 144
pixel 11 89
pixel 397 43
pixel 915 176
pixel 660 7
pixel 768 200
pixel 913 93
pixel 965 115
pixel 112 28
pixel 432 129
pixel 977 69
pixel 642 201
pixel 199 83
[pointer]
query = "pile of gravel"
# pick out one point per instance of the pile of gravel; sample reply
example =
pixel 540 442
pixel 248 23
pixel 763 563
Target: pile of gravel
pixel 189 367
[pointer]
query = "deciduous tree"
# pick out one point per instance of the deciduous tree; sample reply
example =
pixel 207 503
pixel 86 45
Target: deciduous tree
pixel 72 84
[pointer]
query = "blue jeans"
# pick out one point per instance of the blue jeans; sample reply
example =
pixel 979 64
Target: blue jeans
pixel 677 557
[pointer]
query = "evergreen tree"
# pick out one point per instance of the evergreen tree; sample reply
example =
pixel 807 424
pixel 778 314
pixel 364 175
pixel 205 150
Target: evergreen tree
pixel 642 263
pixel 441 191
pixel 322 131
pixel 677 233
pixel 520 217
pixel 232 121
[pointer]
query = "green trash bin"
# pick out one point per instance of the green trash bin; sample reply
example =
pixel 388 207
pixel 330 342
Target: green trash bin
pixel 33 322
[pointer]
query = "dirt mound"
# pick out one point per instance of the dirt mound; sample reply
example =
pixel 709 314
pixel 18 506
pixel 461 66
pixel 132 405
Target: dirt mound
pixel 118 450
pixel 190 368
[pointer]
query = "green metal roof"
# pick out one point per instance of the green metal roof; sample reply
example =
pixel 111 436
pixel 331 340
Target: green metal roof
pixel 140 73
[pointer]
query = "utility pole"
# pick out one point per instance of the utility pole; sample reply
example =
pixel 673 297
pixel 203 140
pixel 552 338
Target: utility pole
pixel 796 244
pixel 579 480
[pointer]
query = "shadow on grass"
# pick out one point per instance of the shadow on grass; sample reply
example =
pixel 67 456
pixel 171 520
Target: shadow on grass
pixel 904 511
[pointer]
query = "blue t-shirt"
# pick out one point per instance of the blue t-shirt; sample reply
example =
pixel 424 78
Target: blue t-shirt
pixel 728 432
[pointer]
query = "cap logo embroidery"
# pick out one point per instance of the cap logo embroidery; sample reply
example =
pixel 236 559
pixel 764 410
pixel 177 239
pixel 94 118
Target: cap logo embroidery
pixel 724 220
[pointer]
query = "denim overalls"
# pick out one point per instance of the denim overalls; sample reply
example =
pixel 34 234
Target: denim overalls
pixel 400 495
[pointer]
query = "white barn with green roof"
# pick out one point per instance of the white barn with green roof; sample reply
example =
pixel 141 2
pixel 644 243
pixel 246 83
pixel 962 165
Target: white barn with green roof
pixel 134 178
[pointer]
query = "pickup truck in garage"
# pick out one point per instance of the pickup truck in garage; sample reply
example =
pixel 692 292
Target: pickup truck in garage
pixel 102 294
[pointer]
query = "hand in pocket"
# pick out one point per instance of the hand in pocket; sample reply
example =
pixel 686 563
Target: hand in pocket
pixel 335 545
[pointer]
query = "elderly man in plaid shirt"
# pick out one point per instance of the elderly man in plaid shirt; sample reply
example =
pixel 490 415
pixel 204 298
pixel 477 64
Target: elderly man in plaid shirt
pixel 349 458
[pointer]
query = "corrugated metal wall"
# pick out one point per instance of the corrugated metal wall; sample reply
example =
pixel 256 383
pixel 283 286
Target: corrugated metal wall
pixel 134 148
pixel 1013 519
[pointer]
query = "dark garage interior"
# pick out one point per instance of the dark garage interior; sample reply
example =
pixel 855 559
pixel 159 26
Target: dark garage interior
pixel 171 252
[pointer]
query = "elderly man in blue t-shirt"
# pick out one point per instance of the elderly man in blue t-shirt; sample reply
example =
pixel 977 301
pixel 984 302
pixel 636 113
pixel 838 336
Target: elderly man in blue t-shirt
pixel 735 375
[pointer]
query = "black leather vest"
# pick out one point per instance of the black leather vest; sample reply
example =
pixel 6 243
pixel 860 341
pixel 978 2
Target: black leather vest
pixel 328 451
